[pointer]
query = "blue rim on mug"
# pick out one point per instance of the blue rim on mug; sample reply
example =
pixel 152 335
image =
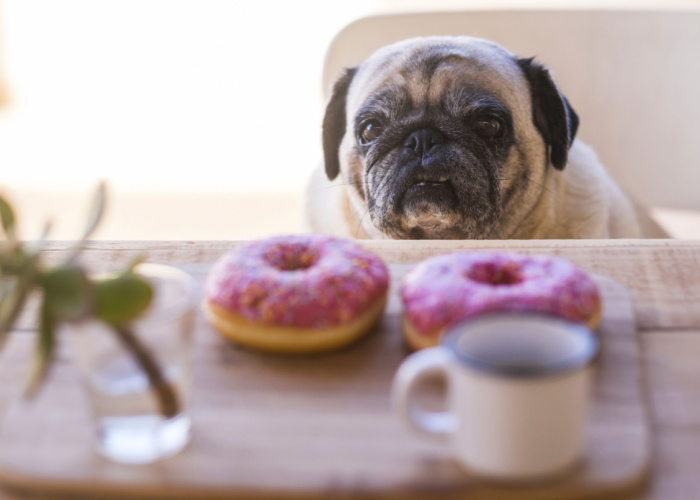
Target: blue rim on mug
pixel 584 344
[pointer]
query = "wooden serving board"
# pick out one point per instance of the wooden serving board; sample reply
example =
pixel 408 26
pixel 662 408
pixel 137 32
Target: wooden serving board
pixel 273 426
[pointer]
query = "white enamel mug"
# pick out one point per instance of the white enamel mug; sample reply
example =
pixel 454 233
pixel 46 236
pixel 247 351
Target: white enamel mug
pixel 518 390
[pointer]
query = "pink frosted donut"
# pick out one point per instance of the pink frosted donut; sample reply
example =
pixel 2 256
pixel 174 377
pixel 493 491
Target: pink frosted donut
pixel 300 293
pixel 448 288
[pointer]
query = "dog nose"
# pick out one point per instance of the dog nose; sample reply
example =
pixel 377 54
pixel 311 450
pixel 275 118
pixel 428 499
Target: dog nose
pixel 421 141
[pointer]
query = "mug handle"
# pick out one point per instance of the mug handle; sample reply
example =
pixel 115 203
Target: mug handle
pixel 424 363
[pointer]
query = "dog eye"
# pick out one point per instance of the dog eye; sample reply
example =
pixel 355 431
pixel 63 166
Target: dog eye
pixel 488 126
pixel 370 131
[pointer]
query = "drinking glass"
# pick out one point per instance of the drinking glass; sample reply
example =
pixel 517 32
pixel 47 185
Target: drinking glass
pixel 133 423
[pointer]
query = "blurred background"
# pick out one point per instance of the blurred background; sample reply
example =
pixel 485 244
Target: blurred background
pixel 203 116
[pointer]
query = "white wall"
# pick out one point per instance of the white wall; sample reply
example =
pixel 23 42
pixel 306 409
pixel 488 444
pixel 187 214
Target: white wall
pixel 164 95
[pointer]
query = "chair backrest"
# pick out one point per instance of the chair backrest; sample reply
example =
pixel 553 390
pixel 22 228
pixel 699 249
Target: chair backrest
pixel 633 77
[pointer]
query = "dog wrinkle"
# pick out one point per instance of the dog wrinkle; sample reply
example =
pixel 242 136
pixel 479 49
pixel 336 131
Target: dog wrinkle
pixel 356 178
pixel 503 191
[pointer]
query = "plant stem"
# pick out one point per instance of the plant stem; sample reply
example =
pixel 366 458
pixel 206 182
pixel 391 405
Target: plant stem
pixel 167 398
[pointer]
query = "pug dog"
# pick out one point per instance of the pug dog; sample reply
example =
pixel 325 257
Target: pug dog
pixel 457 138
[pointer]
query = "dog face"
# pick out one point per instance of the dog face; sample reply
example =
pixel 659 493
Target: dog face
pixel 446 137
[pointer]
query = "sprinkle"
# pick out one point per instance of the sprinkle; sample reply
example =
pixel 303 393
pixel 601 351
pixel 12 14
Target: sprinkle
pixel 449 288
pixel 308 281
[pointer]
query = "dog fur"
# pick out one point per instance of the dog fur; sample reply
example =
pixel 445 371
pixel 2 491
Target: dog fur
pixel 467 142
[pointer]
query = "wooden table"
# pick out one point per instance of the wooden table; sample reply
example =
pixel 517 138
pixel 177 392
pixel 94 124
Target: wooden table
pixel 662 276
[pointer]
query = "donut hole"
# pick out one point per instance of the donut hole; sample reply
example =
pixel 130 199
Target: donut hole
pixel 295 265
pixel 293 258
pixel 492 274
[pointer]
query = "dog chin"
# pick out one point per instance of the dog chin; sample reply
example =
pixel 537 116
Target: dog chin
pixel 427 225
pixel 428 214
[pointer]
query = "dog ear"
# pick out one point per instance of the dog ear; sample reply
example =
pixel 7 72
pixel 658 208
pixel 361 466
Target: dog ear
pixel 334 123
pixel 552 114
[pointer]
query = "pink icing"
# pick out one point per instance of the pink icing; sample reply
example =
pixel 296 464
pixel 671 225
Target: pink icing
pixel 308 281
pixel 449 288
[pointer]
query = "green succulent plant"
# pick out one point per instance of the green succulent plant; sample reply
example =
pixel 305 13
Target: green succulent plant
pixel 69 294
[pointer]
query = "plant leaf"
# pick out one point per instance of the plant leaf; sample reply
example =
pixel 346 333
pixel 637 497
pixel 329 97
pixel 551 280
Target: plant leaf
pixel 38 245
pixel 68 293
pixel 122 299
pixel 96 211
pixel 43 353
pixel 7 218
